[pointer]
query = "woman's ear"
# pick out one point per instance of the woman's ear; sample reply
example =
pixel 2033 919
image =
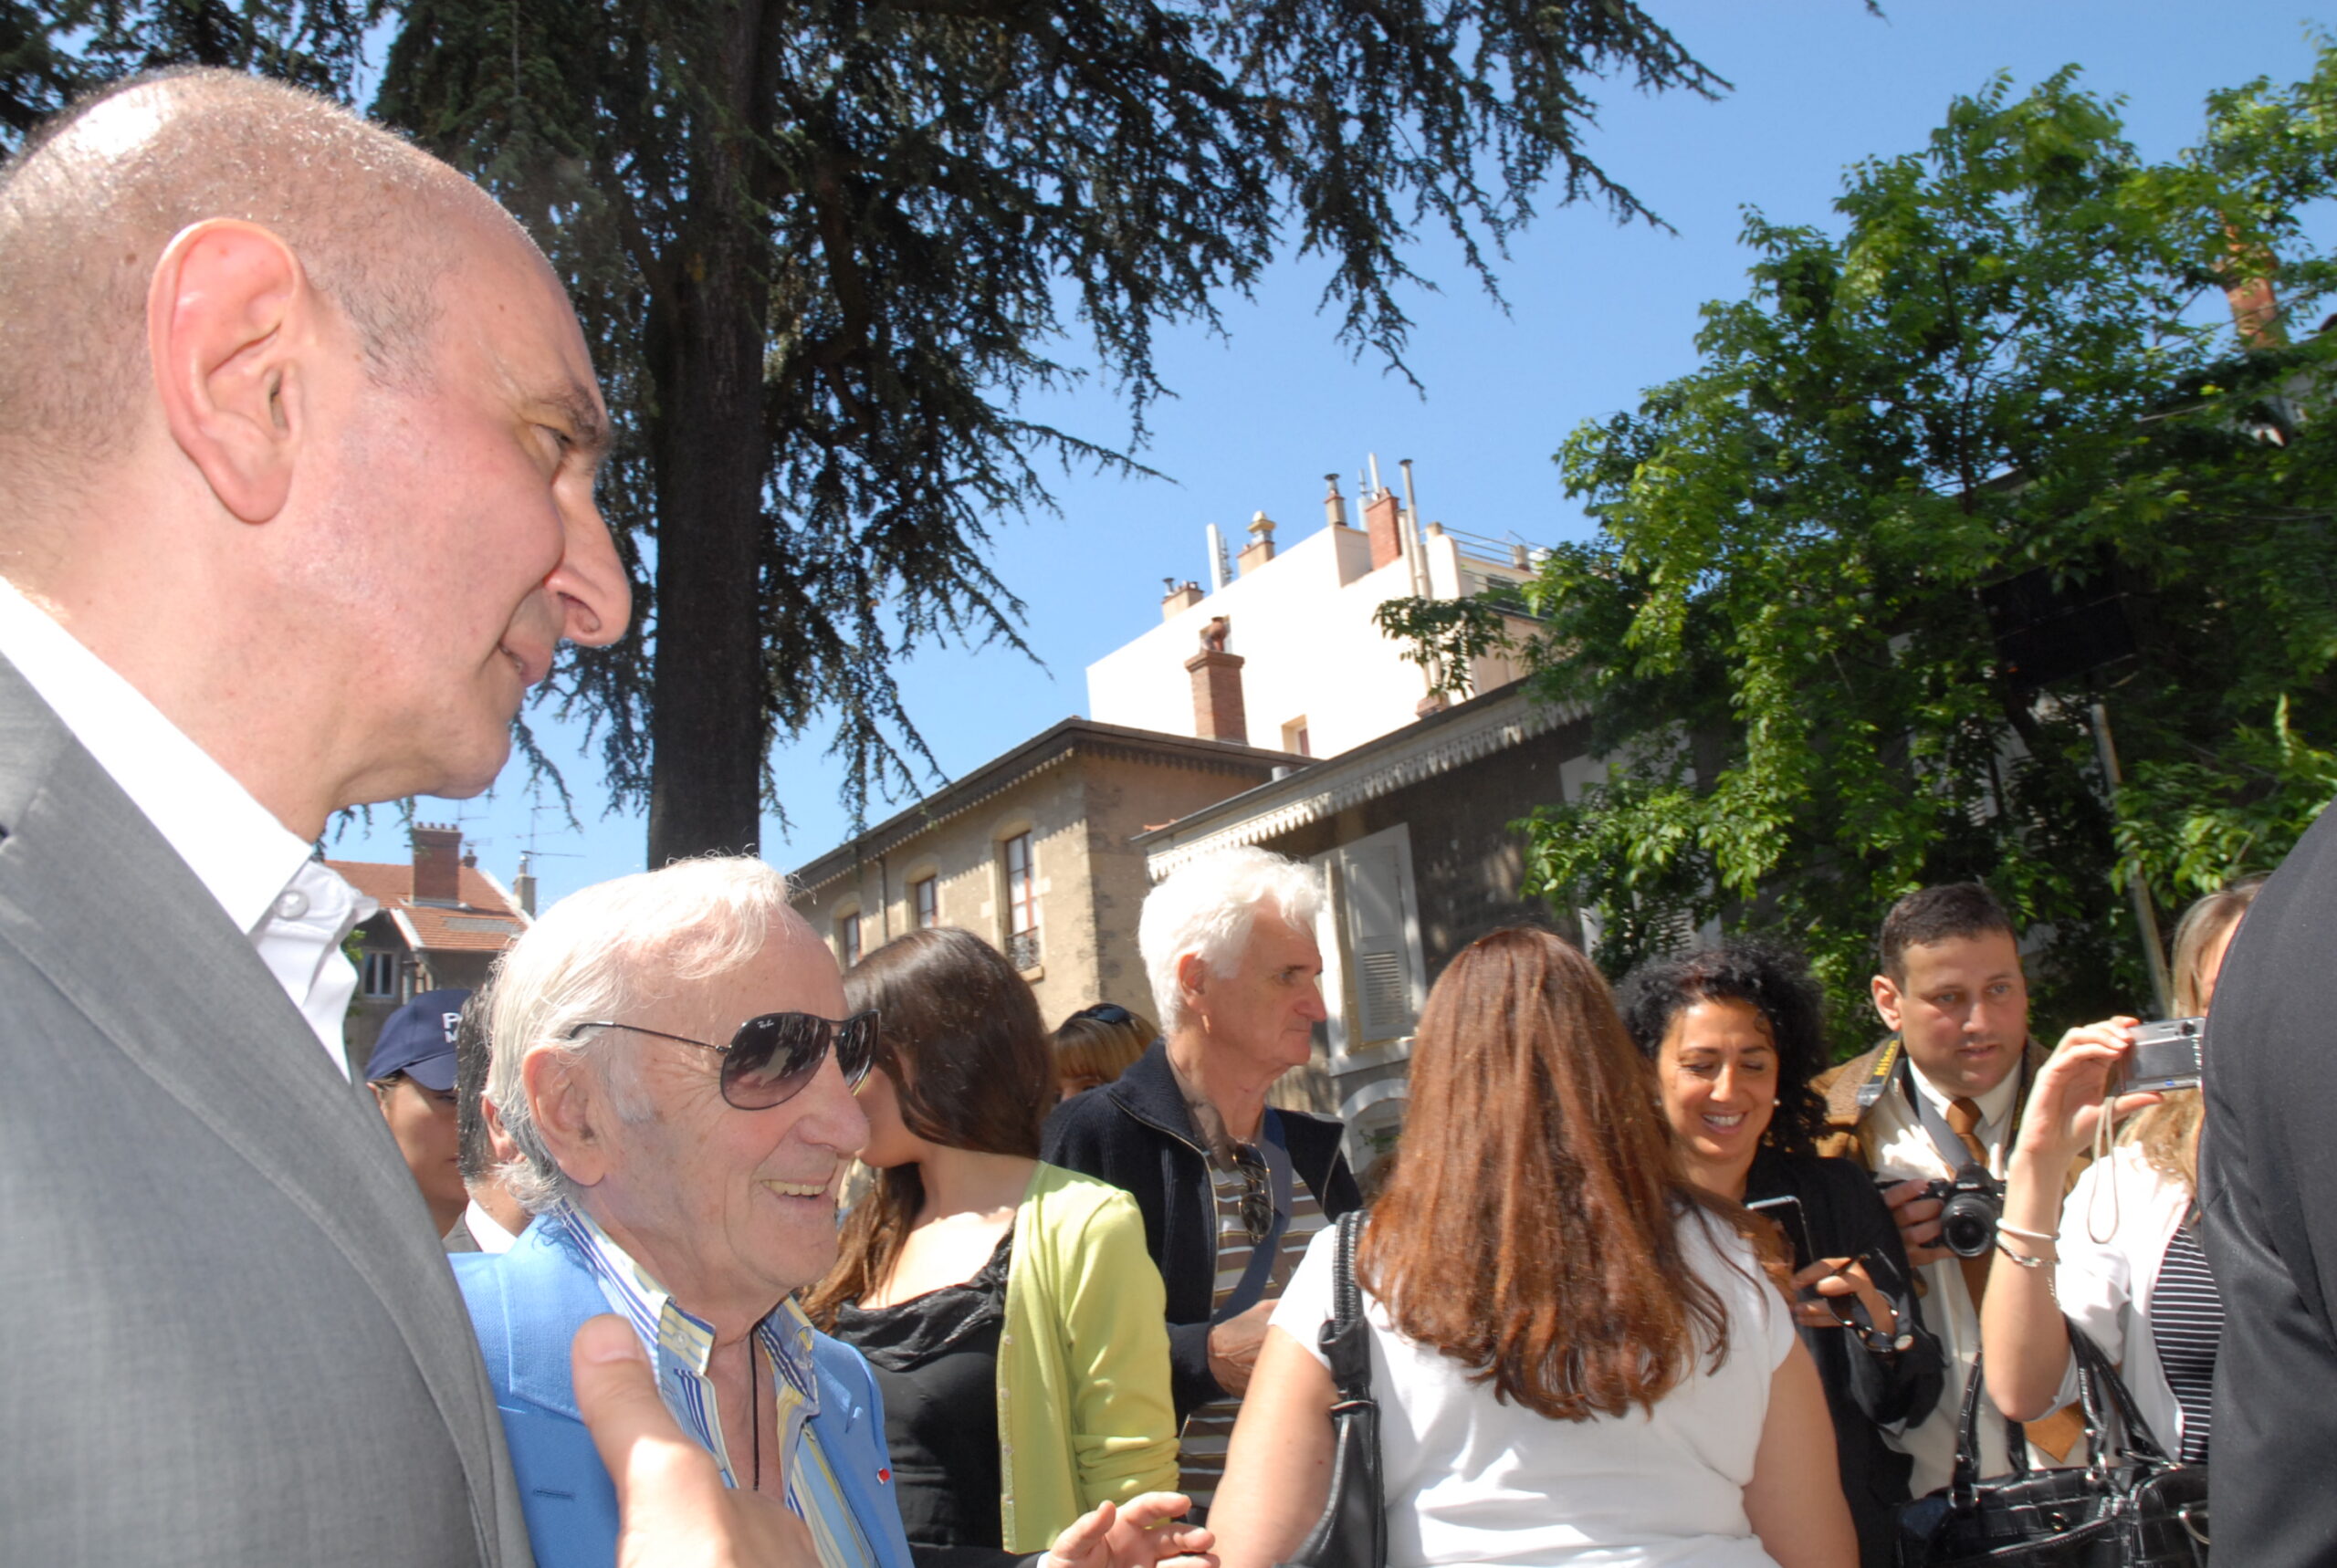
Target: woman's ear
pixel 570 1105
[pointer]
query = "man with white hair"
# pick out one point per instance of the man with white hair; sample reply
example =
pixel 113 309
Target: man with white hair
pixel 1230 1188
pixel 668 1052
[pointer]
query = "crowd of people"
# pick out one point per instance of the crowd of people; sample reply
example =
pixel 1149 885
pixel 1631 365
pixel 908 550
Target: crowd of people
pixel 1622 1308
pixel 577 1281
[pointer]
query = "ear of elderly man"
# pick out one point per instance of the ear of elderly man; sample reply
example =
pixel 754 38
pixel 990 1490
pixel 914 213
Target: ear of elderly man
pixel 1230 1187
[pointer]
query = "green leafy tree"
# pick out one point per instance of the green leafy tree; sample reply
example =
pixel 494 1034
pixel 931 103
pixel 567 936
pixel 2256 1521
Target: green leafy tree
pixel 2013 358
pixel 824 250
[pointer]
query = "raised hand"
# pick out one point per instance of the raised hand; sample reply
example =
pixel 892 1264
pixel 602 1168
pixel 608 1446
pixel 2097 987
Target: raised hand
pixel 1139 1535
pixel 2067 1102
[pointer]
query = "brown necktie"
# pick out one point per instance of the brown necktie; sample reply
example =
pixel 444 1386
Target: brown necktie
pixel 1963 1121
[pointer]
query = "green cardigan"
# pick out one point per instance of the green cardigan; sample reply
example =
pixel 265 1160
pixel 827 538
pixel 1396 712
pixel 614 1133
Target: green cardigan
pixel 1082 1360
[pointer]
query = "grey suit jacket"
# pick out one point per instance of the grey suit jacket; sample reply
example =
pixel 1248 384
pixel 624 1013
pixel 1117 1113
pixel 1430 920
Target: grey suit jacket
pixel 227 1335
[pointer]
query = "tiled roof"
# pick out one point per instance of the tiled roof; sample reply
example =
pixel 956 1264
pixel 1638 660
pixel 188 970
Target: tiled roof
pixel 485 922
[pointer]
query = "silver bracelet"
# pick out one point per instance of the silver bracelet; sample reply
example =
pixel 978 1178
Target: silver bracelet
pixel 2040 1238
pixel 2023 1258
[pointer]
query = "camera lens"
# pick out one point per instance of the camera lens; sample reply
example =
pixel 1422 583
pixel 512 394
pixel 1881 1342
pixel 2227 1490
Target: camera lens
pixel 1967 1226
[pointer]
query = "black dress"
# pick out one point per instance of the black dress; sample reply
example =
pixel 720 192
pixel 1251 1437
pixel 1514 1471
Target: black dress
pixel 935 1359
pixel 1865 1391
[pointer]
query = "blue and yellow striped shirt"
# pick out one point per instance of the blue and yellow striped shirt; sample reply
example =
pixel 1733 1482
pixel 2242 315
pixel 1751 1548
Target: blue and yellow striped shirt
pixel 681 1346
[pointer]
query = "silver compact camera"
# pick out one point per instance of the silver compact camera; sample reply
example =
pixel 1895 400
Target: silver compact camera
pixel 2165 1056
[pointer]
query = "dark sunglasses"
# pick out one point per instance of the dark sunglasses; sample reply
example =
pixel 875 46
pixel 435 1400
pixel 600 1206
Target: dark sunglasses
pixel 769 1058
pixel 1257 1200
pixel 1107 1012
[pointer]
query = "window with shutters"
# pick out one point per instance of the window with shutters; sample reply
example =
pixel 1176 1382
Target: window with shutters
pixel 1380 983
pixel 848 938
pixel 925 897
pixel 1021 902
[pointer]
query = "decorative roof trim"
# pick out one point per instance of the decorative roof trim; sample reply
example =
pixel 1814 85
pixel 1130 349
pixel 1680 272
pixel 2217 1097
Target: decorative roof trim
pixel 510 903
pixel 404 924
pixel 893 842
pixel 1407 756
pixel 1069 738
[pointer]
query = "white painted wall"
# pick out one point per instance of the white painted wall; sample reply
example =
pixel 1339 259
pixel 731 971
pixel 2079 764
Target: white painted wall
pixel 1302 623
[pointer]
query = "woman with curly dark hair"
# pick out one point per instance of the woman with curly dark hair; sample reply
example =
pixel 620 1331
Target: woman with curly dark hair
pixel 1736 1034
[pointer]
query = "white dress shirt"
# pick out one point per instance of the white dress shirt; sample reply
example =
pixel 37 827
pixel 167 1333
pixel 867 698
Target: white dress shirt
pixel 295 912
pixel 486 1230
pixel 1902 1147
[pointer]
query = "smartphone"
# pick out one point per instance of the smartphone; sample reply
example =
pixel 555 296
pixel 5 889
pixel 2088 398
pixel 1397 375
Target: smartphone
pixel 2165 1056
pixel 1786 1213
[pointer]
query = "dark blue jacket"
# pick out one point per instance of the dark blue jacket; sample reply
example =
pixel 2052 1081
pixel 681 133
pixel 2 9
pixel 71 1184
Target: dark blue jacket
pixel 527 1305
pixel 1135 1133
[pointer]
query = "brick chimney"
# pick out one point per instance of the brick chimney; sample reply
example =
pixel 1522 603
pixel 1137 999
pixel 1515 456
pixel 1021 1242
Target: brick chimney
pixel 1180 597
pixel 1217 696
pixel 1383 520
pixel 437 864
pixel 1261 547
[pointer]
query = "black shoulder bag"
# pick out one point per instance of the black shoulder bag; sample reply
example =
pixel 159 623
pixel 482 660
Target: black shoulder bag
pixel 2132 1507
pixel 1353 1531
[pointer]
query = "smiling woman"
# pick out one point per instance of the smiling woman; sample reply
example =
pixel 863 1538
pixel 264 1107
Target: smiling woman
pixel 1735 1033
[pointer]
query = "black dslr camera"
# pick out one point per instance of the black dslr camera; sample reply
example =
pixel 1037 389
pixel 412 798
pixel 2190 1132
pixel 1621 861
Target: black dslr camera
pixel 1974 1201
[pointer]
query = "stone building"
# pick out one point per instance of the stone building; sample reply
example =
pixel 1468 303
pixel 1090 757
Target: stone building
pixel 1414 833
pixel 1403 799
pixel 1033 852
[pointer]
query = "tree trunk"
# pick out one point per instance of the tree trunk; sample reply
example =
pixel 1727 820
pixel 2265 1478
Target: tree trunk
pixel 707 729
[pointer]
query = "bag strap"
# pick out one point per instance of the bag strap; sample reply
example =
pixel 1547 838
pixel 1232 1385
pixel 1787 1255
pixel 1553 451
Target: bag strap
pixel 1346 1338
pixel 2105 1400
pixel 1250 1287
pixel 2103 1395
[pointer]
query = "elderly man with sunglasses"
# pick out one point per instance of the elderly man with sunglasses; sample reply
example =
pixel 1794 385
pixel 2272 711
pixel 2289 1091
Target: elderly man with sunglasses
pixel 669 1054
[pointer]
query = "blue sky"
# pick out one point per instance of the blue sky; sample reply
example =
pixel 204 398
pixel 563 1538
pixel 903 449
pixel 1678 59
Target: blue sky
pixel 1594 313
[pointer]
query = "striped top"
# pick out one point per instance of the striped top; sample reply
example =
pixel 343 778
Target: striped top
pixel 2186 1319
pixel 681 1346
pixel 1210 1428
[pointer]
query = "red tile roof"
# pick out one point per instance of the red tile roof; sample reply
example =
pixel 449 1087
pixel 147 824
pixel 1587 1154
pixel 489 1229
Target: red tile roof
pixel 485 922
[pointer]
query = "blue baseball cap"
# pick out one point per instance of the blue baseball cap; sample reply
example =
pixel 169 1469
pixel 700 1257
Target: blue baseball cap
pixel 419 1041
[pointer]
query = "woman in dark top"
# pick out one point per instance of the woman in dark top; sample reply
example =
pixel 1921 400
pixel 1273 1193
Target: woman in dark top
pixel 1736 1036
pixel 1008 1309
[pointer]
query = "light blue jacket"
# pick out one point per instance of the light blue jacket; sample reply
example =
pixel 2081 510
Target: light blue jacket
pixel 527 1305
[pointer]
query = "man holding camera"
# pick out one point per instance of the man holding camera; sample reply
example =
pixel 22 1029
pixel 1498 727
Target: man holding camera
pixel 1932 1111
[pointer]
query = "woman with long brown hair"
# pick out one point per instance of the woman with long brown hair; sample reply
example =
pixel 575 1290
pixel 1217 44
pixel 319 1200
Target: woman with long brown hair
pixel 1012 1319
pixel 1576 1354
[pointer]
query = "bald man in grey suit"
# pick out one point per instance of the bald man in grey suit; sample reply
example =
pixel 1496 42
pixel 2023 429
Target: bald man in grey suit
pixel 297 439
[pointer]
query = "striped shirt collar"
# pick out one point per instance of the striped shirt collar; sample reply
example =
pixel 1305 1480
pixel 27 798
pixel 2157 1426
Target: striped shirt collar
pixel 681 1344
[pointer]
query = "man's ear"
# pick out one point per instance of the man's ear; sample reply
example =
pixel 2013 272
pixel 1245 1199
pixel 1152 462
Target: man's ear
pixel 1888 1002
pixel 571 1114
pixel 499 1147
pixel 230 319
pixel 1192 977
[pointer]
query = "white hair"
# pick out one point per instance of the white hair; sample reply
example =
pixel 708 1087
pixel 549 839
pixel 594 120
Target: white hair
pixel 604 952
pixel 1207 909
